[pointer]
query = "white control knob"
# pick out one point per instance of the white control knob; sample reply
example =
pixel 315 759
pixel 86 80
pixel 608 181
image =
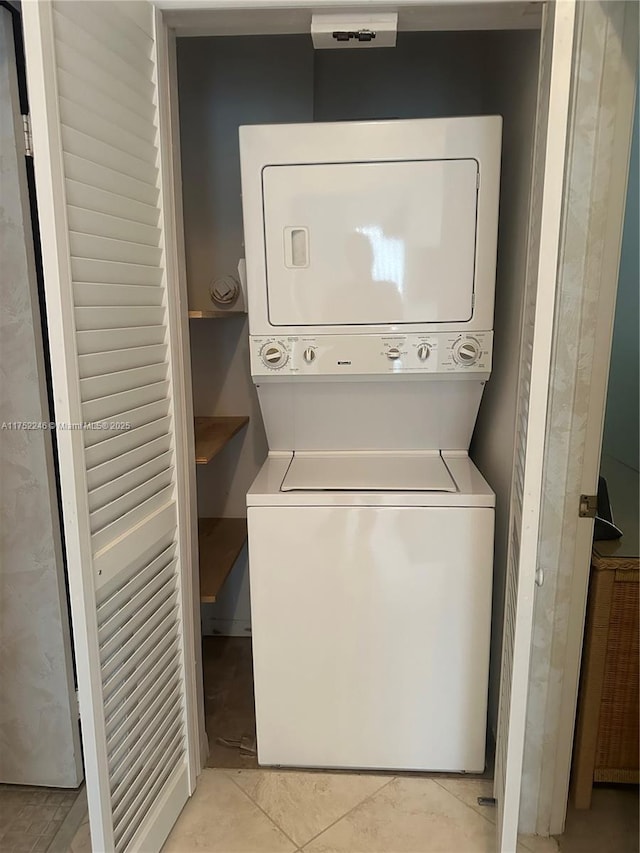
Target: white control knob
pixel 309 355
pixel 467 352
pixel 424 351
pixel 273 355
pixel 393 353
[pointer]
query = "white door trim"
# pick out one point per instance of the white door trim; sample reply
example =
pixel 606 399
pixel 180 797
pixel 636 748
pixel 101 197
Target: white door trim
pixel 597 166
pixel 171 188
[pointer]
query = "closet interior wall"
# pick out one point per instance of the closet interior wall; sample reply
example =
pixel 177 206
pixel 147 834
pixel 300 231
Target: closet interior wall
pixel 225 81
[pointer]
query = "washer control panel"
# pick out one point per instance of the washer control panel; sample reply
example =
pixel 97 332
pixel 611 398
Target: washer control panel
pixel 441 353
pixel 274 354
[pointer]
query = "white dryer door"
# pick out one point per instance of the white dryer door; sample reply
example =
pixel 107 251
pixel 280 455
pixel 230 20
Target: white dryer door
pixel 367 243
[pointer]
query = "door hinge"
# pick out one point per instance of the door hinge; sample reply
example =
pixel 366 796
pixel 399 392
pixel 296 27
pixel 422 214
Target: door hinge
pixel 77 704
pixel 477 180
pixel 588 506
pixel 28 139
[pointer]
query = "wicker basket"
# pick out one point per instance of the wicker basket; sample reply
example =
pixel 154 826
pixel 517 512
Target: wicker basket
pixel 607 744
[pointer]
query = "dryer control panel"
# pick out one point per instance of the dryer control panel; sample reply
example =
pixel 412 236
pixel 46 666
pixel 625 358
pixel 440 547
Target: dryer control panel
pixel 437 354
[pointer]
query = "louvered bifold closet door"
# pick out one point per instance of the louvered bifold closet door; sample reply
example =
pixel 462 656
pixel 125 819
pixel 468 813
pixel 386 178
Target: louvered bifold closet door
pixel 531 413
pixel 93 77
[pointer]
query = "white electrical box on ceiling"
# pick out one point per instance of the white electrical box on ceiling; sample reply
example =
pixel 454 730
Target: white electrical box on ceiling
pixel 349 30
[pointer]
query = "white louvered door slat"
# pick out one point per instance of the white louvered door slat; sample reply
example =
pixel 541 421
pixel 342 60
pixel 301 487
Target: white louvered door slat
pixel 91 341
pixel 109 225
pixel 108 409
pixel 78 65
pixel 84 98
pixel 106 384
pixel 106 200
pixel 96 175
pixel 136 417
pixel 155 578
pixel 93 72
pixel 556 54
pixel 116 318
pixel 111 449
pixel 113 272
pixel 125 699
pixel 87 38
pixel 113 489
pixel 88 294
pixel 118 509
pixel 103 536
pixel 109 249
pixel 164 696
pixel 81 140
pixel 120 667
pixel 95 364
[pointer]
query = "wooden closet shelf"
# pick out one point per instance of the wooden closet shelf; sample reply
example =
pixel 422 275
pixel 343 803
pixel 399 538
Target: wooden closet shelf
pixel 220 541
pixel 213 433
pixel 215 314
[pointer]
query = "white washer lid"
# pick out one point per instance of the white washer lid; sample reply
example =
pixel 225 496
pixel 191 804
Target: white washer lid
pixel 404 472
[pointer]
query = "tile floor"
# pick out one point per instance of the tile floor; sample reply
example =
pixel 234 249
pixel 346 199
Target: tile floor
pixel 81 842
pixel 609 826
pixel 269 811
pixel 266 811
pixel 30 817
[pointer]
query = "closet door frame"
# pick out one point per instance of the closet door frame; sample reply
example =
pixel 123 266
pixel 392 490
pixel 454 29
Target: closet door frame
pixel 561 54
pixel 572 660
pixel 178 308
pixel 601 127
pixel 171 181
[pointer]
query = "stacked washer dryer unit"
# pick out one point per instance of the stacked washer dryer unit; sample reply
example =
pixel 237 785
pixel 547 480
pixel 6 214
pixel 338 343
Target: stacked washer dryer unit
pixel 371 250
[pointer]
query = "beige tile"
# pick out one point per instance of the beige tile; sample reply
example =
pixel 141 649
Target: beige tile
pixel 609 826
pixel 220 818
pixel 303 803
pixel 38 827
pixel 468 790
pixel 537 844
pixel 82 840
pixel 20 825
pixel 409 816
pixel 15 843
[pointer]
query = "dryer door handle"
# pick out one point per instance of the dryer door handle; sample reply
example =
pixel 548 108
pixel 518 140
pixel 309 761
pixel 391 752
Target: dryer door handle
pixel 296 247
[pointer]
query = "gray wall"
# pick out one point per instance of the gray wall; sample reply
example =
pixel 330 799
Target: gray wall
pixel 426 75
pixel 39 734
pixel 621 427
pixel 224 83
